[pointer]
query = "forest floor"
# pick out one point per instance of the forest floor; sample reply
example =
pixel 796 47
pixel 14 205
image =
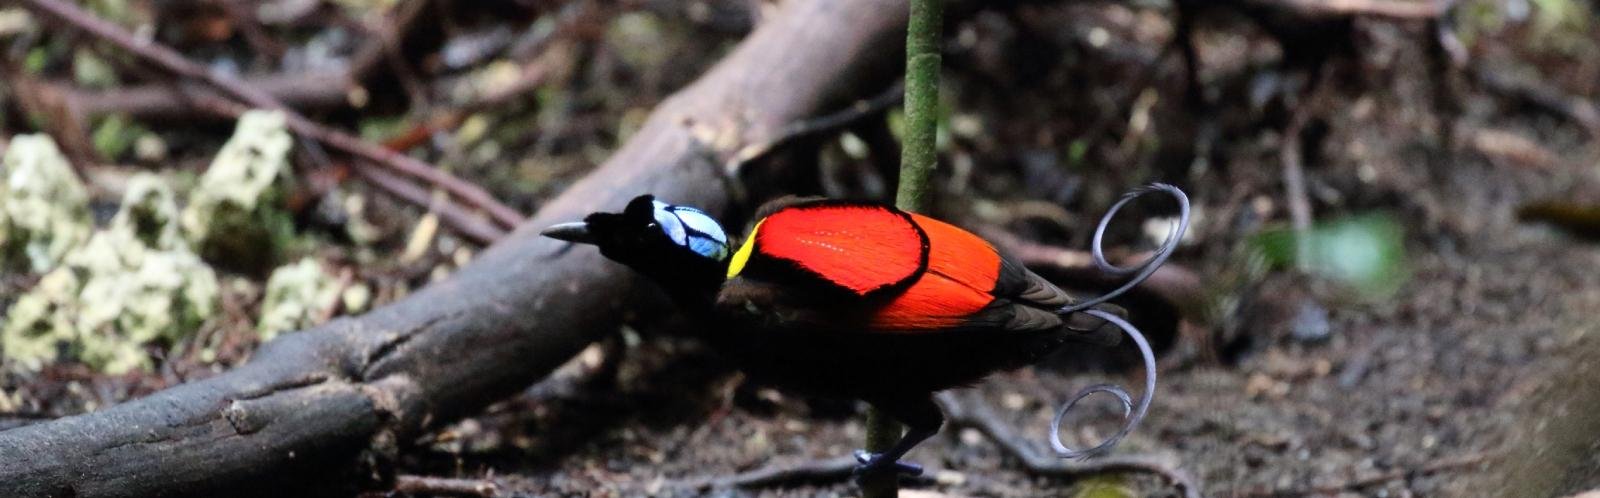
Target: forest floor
pixel 1424 390
pixel 1420 393
pixel 1432 387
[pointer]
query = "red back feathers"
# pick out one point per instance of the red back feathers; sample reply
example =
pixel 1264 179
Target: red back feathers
pixel 931 275
pixel 959 281
pixel 861 248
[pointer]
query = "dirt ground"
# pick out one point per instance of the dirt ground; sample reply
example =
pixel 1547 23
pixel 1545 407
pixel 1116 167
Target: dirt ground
pixel 1471 378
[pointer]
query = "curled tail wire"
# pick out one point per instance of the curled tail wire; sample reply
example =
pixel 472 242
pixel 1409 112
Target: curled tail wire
pixel 1130 415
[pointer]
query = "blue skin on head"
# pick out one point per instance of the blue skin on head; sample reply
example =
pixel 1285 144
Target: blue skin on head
pixel 693 229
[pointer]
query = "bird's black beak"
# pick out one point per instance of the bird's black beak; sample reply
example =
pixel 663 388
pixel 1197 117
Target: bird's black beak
pixel 576 231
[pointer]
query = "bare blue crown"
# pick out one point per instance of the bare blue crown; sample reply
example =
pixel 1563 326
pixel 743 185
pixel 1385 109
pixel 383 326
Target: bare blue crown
pixel 694 229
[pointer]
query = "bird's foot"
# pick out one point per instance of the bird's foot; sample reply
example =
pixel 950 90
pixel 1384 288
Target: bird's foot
pixel 874 463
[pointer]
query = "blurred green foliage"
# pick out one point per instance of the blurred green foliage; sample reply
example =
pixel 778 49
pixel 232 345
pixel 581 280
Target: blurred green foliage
pixel 1561 26
pixel 91 71
pixel 116 135
pixel 1364 252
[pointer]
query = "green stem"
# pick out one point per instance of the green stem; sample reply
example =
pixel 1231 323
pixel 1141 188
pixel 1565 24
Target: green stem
pixel 882 432
pixel 918 154
pixel 918 157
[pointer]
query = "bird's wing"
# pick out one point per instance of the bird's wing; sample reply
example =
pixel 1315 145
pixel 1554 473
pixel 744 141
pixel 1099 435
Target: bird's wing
pixel 1017 283
pixel 956 288
pixel 857 249
pixel 1034 302
pixel 971 286
pixel 873 269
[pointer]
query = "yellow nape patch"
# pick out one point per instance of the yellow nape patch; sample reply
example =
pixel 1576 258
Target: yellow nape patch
pixel 743 256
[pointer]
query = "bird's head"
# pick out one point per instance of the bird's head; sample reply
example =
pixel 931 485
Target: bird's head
pixel 674 245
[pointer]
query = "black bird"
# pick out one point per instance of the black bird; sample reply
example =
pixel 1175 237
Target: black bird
pixel 864 301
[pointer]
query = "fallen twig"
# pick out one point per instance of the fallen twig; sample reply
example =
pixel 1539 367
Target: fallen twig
pixel 533 75
pixel 396 33
pixel 571 20
pixel 241 15
pixel 152 51
pixel 301 91
pixel 464 222
pixel 176 63
pixel 1310 30
pixel 68 128
pixel 1405 10
pixel 316 90
pixel 977 415
pixel 427 485
pixel 469 194
pixel 1578 110
pixel 1294 183
pixel 838 120
pixel 813 471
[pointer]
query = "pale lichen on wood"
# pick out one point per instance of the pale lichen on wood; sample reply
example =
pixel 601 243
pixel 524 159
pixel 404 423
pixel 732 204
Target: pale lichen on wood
pixel 132 284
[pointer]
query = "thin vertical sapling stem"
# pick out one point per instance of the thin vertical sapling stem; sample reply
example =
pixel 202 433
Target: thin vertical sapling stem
pixel 919 153
pixel 917 159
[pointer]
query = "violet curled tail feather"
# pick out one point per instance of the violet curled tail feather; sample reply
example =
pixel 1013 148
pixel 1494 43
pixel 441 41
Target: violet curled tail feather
pixel 1131 416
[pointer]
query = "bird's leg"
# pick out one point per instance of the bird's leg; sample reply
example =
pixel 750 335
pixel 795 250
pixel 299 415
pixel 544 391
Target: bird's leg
pixel 922 418
pixel 871 463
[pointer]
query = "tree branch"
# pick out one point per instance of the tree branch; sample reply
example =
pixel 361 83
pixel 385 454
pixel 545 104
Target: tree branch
pixel 434 486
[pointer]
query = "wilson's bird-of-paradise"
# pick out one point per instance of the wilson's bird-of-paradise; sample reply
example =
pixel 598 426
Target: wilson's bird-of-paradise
pixel 865 301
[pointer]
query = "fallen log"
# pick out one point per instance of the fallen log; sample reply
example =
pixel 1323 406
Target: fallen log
pixel 338 400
